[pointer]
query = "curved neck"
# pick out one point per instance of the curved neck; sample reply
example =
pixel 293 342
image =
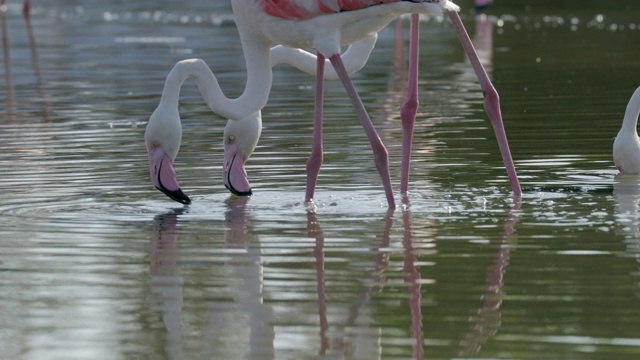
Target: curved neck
pixel 254 97
pixel 631 114
pixel 354 58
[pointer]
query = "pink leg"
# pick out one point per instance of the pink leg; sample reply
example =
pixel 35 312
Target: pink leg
pixel 315 160
pixel 491 100
pixel 410 107
pixel 380 154
pixel 26 8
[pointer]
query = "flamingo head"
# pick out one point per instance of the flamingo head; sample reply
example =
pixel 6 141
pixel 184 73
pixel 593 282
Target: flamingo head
pixel 162 137
pixel 240 139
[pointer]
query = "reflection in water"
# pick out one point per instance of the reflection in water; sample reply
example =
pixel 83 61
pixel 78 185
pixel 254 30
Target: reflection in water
pixel 359 334
pixel 365 343
pixel 413 282
pixel 166 281
pixel 483 40
pixel 626 189
pixel 8 73
pixel 250 271
pixel 488 318
pixel 35 59
pixel 8 77
pixel 167 286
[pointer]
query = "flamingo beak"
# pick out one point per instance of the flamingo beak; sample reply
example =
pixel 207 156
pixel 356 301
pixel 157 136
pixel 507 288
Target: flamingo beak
pixel 164 177
pixel 234 174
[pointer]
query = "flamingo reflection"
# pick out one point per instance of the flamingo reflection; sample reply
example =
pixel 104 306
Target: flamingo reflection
pixel 166 284
pixel 487 319
pixel 249 269
pixel 626 190
pixel 356 335
pixel 35 58
pixel 166 281
pixel 413 282
pixel 364 342
pixel 8 77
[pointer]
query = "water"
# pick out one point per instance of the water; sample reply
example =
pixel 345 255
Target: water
pixel 94 263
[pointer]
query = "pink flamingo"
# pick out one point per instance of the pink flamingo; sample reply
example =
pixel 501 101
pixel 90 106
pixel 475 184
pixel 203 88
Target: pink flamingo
pixel 324 25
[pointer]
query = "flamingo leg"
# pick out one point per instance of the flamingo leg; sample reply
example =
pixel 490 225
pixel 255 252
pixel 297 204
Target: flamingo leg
pixel 380 153
pixel 26 7
pixel 315 160
pixel 410 106
pixel 491 100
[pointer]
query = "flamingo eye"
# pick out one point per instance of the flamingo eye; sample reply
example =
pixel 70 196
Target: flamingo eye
pixel 232 138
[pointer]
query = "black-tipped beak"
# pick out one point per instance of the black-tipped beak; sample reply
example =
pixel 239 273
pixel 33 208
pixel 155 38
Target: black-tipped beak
pixel 176 195
pixel 236 192
pixel 163 176
pixel 234 165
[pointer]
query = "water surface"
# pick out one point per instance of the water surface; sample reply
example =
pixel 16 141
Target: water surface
pixel 95 263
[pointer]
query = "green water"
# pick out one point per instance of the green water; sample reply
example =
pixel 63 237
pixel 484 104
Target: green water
pixel 96 264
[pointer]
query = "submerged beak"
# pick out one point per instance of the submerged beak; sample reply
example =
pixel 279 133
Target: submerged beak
pixel 234 175
pixel 163 176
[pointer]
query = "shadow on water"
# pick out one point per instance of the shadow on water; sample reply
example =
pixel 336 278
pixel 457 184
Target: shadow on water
pixel 358 332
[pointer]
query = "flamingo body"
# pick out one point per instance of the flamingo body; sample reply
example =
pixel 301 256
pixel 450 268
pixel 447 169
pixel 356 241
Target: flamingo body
pixel 626 147
pixel 298 24
pixel 323 25
pixel 259 31
pixel 305 9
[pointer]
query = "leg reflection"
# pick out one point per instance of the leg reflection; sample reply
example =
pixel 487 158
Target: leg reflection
pixel 412 280
pixel 35 58
pixel 626 190
pixel 166 281
pixel 487 320
pixel 11 101
pixel 364 342
pixel 314 231
pixel 249 268
pixel 8 76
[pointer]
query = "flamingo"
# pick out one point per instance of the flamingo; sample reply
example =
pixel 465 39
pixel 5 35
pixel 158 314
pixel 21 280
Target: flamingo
pixel 626 147
pixel 164 126
pixel 323 25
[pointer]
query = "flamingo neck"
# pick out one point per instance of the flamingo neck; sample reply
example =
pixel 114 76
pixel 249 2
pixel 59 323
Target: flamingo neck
pixel 630 121
pixel 254 97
